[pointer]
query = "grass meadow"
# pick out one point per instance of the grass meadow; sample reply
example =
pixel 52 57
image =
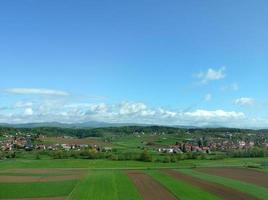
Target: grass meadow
pixel 103 185
pixel 106 179
pixel 110 164
pixel 36 189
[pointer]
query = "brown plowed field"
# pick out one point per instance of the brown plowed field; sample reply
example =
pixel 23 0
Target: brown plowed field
pixel 214 188
pixel 148 188
pixel 30 179
pixel 242 174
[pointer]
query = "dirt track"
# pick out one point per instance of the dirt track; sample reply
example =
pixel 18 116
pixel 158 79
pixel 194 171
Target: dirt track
pixel 148 188
pixel 216 189
pixel 242 174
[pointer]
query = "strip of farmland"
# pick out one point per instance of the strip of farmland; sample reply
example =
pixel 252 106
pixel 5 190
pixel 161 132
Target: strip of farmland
pixel 246 175
pixel 180 188
pixel 45 171
pixel 149 188
pixel 216 189
pixel 47 198
pixel 36 189
pixel 103 185
pixel 31 179
pixel 248 188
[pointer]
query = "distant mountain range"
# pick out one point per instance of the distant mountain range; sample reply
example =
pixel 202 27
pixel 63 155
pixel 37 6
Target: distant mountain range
pixel 89 124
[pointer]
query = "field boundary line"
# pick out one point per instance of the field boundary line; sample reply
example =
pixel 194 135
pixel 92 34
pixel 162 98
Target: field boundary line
pixel 68 197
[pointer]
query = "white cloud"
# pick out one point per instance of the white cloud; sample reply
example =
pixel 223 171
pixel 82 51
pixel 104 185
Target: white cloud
pixel 127 108
pixel 21 104
pixel 205 114
pixel 28 111
pixel 126 112
pixel 36 91
pixel 207 97
pixel 211 75
pixel 231 87
pixel 244 101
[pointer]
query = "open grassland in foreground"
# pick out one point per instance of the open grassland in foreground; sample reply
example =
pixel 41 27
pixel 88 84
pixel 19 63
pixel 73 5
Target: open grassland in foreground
pixel 102 185
pixel 36 189
pixel 109 164
pixel 33 183
pixel 145 181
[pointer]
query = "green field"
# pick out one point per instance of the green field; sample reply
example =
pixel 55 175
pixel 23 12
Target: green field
pixel 106 179
pixel 36 189
pixel 102 185
pixel 109 164
pixel 180 189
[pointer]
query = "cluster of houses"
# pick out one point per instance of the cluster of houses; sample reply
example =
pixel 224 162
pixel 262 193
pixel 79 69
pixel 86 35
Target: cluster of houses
pixel 10 142
pixel 184 148
pixel 29 143
pixel 226 142
pixel 213 145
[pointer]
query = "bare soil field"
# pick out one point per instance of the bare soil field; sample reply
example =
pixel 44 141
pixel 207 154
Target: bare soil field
pixel 148 188
pixel 242 174
pixel 216 189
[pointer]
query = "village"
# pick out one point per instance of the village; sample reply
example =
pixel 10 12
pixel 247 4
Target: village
pixel 30 142
pixel 210 144
pixel 206 145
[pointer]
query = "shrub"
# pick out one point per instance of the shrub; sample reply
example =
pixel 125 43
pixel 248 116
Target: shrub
pixel 166 159
pixel 89 154
pixel 145 157
pixel 172 159
pixel 58 154
pixel 180 157
pixel 113 157
pixel 2 155
pixel 37 156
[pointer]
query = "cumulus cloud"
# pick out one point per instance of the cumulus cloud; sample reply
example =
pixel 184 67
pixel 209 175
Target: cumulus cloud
pixel 207 97
pixel 244 101
pixel 21 104
pixel 125 112
pixel 231 87
pixel 28 111
pixel 215 114
pixel 127 108
pixel 211 75
pixel 36 91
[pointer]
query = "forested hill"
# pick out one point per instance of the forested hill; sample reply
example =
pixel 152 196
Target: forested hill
pixel 126 130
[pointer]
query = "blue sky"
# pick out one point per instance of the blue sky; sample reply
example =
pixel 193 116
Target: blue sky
pixel 175 63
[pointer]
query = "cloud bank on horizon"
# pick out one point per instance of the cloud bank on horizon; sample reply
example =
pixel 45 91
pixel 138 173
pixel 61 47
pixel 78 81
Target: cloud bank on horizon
pixel 59 106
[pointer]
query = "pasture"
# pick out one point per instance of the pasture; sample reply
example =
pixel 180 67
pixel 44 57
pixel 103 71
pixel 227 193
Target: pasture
pixel 99 185
pixel 120 180
pixel 74 179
